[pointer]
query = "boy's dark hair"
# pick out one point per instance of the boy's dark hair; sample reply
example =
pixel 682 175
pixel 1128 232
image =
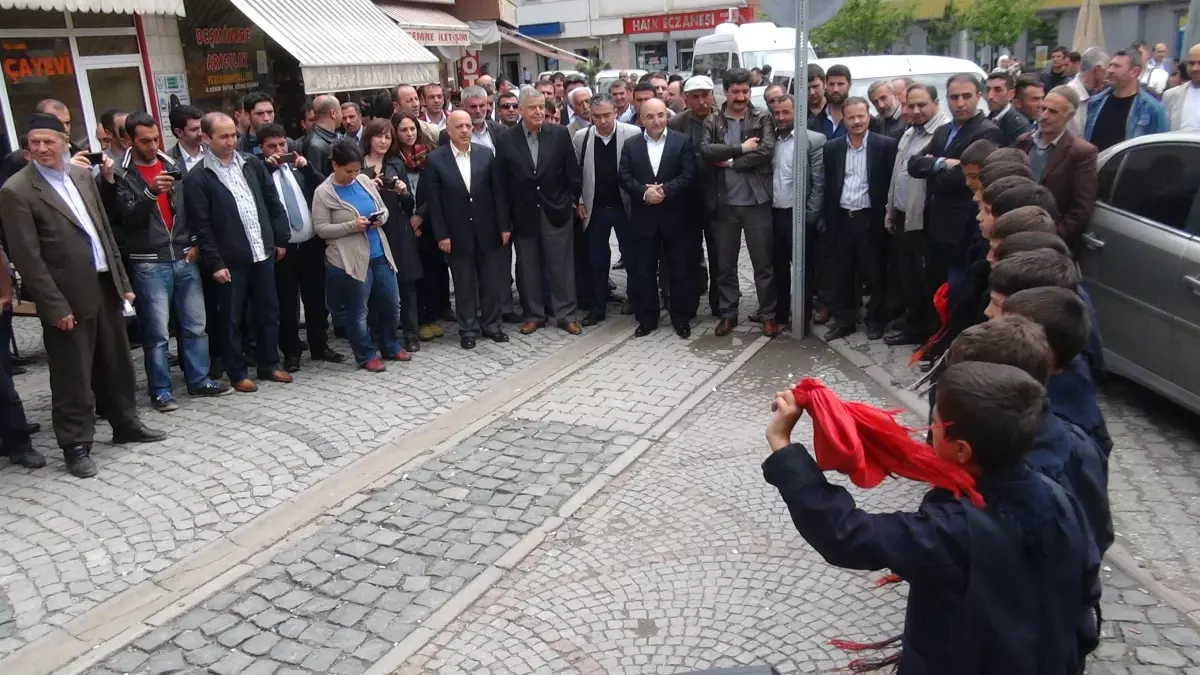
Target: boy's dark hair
pixel 182 114
pixel 1061 313
pixel 838 70
pixel 815 72
pixel 1026 81
pixel 1007 155
pixel 1005 77
pixel 644 86
pixel 995 408
pixel 137 119
pixel 1074 57
pixel 108 120
pixel 1023 219
pixel 1019 242
pixel 271 131
pixel 857 100
pixel 1011 340
pixel 994 173
pixel 254 98
pixel 977 152
pixel 1033 269
pixel 346 151
pixel 735 76
pixel 1026 195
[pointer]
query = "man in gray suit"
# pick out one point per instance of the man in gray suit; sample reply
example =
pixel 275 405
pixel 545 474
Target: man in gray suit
pixel 783 111
pixel 62 245
pixel 603 206
pixel 580 101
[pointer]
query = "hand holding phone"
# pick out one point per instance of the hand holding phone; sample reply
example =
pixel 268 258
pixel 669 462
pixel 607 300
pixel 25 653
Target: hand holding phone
pixel 287 158
pixel 96 158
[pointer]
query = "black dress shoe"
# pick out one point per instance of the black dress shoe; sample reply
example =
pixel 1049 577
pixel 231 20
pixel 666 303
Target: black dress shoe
pixel 903 338
pixel 413 345
pixel 27 457
pixel 291 362
pixel 498 336
pixel 511 317
pixel 326 354
pixel 137 434
pixel 839 330
pixel 20 360
pixel 592 320
pixel 467 342
pixel 32 428
pixel 684 331
pixel 79 460
pixel 644 329
pixel 874 332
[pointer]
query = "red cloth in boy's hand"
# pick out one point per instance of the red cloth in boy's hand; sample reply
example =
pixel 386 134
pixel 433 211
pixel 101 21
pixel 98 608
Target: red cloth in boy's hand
pixel 868 444
pixel 941 304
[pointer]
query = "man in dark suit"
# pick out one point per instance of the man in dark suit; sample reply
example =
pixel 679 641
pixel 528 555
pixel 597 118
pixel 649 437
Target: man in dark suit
pixel 483 130
pixel 243 230
pixel 858 169
pixel 1066 165
pixel 189 146
pixel 657 169
pixel 61 242
pixel 950 207
pixel 541 178
pixel 465 194
pixel 1001 87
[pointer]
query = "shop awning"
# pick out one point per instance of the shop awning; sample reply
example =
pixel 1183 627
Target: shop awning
pixel 110 6
pixel 429 26
pixel 346 45
pixel 539 47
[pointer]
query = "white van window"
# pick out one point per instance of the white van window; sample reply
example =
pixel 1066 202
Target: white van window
pixel 717 63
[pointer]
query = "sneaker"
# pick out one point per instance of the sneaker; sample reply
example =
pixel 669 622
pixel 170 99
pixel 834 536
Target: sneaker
pixel 164 403
pixel 425 333
pixel 402 356
pixel 213 388
pixel 373 366
pixel 437 330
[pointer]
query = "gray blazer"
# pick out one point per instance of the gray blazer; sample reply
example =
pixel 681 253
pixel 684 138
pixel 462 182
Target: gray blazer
pixel 623 133
pixel 1173 101
pixel 814 203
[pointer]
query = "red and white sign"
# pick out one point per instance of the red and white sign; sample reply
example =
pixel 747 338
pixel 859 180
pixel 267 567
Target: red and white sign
pixel 703 20
pixel 430 37
pixel 468 69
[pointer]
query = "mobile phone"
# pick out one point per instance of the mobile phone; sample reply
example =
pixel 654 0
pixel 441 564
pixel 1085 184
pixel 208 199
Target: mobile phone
pixel 96 158
pixel 287 158
pixel 374 217
pixel 176 175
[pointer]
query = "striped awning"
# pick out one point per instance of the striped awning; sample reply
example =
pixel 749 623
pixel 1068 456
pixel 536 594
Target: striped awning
pixel 429 26
pixel 109 6
pixel 347 45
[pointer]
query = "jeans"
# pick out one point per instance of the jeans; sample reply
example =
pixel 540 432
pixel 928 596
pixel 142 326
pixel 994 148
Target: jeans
pixel 599 257
pixel 379 291
pixel 162 287
pixel 255 281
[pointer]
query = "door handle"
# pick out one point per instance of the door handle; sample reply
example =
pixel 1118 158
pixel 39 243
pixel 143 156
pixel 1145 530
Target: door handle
pixel 1194 282
pixel 1093 242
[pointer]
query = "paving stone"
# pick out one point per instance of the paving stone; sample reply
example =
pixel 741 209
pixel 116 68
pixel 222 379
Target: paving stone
pixel 320 660
pixel 233 664
pixel 206 656
pixel 190 640
pixel 127 661
pixel 292 628
pixel 237 635
pixel 1161 656
pixel 290 652
pixel 260 644
pixel 155 638
pixel 347 614
pixel 169 661
pixel 1182 636
pixel 261 667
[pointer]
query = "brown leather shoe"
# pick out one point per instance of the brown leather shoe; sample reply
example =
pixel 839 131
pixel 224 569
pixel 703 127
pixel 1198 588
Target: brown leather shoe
pixel 725 327
pixel 281 376
pixel 245 386
pixel 820 316
pixel 528 328
pixel 571 327
pixel 770 328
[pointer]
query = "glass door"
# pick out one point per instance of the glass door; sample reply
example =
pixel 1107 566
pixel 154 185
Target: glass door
pixel 108 82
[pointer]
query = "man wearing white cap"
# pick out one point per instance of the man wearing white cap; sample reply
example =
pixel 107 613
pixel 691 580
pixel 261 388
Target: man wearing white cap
pixel 698 94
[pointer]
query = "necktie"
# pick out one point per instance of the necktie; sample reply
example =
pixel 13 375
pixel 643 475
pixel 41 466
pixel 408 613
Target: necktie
pixel 295 217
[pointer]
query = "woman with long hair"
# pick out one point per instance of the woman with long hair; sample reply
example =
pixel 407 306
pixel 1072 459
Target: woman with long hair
pixel 383 166
pixel 433 289
pixel 349 214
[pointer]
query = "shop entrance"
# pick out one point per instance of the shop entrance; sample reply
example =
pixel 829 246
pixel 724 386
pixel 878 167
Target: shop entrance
pixel 111 82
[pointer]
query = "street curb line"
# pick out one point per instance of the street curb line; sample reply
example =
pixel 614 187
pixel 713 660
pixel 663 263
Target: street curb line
pixel 171 592
pixel 492 575
pixel 1117 556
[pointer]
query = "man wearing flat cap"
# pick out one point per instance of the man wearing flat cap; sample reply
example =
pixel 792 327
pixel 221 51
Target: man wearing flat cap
pixel 62 245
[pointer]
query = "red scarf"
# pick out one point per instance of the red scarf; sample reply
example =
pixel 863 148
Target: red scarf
pixel 868 444
pixel 414 159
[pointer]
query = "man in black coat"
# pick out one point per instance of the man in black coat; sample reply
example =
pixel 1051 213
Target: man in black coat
pixel 657 169
pixel 858 170
pixel 465 194
pixel 541 178
pixel 949 204
pixel 323 134
pixel 1001 87
pixel 234 208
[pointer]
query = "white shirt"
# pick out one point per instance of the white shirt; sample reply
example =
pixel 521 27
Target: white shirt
pixel 462 158
pixel 440 124
pixel 234 180
pixel 483 138
pixel 66 189
pixel 784 181
pixel 1190 119
pixel 655 149
pixel 627 116
pixel 188 160
pixel 855 193
pixel 286 180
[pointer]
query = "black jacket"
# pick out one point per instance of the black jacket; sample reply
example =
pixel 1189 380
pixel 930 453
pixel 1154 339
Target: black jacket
pixel 676 171
pixel 552 187
pixel 494 130
pixel 398 227
pixel 949 204
pixel 881 156
pixel 1012 126
pixel 317 146
pixel 213 215
pixel 140 230
pixel 757 123
pixel 467 218
pixel 892 127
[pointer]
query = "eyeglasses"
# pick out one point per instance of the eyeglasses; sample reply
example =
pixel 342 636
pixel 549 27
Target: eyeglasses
pixel 509 106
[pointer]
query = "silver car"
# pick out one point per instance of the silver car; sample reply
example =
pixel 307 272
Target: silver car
pixel 1141 263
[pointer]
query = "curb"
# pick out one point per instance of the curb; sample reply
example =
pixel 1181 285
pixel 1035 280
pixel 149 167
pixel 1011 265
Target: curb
pixel 1117 556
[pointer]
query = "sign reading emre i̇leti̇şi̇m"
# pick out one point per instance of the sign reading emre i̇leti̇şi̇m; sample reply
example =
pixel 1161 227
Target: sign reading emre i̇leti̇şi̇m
pixel 703 20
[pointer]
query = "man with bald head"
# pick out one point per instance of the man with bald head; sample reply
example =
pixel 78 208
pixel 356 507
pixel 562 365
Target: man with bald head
pixel 1183 102
pixel 656 171
pixel 466 194
pixel 327 119
pixel 405 97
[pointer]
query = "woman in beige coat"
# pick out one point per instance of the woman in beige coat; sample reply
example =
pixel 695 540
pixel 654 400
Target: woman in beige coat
pixel 349 215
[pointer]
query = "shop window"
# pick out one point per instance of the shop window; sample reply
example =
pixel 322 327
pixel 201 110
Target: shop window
pixel 101 20
pixel 686 49
pixel 40 68
pixel 652 56
pixel 107 45
pixel 119 88
pixel 17 19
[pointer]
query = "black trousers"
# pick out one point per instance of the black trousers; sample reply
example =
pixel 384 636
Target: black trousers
pixel 14 432
pixel 781 253
pixel 677 256
pixel 433 288
pixel 914 286
pixel 300 279
pixel 858 253
pixel 938 256
pixel 894 305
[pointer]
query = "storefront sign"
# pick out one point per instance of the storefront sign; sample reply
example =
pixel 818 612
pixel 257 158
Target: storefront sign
pixel 429 37
pixel 20 63
pixel 703 20
pixel 468 69
pixel 224 51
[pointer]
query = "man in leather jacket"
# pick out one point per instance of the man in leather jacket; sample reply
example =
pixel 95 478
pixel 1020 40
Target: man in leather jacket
pixel 324 133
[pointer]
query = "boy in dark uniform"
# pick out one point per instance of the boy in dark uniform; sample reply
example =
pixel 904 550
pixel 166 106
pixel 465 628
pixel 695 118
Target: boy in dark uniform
pixel 1061 451
pixel 1005 589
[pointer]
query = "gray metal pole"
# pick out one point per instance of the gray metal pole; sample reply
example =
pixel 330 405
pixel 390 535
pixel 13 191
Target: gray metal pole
pixel 800 171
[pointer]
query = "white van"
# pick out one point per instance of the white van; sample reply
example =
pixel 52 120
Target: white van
pixel 864 70
pixel 750 45
pixel 605 78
